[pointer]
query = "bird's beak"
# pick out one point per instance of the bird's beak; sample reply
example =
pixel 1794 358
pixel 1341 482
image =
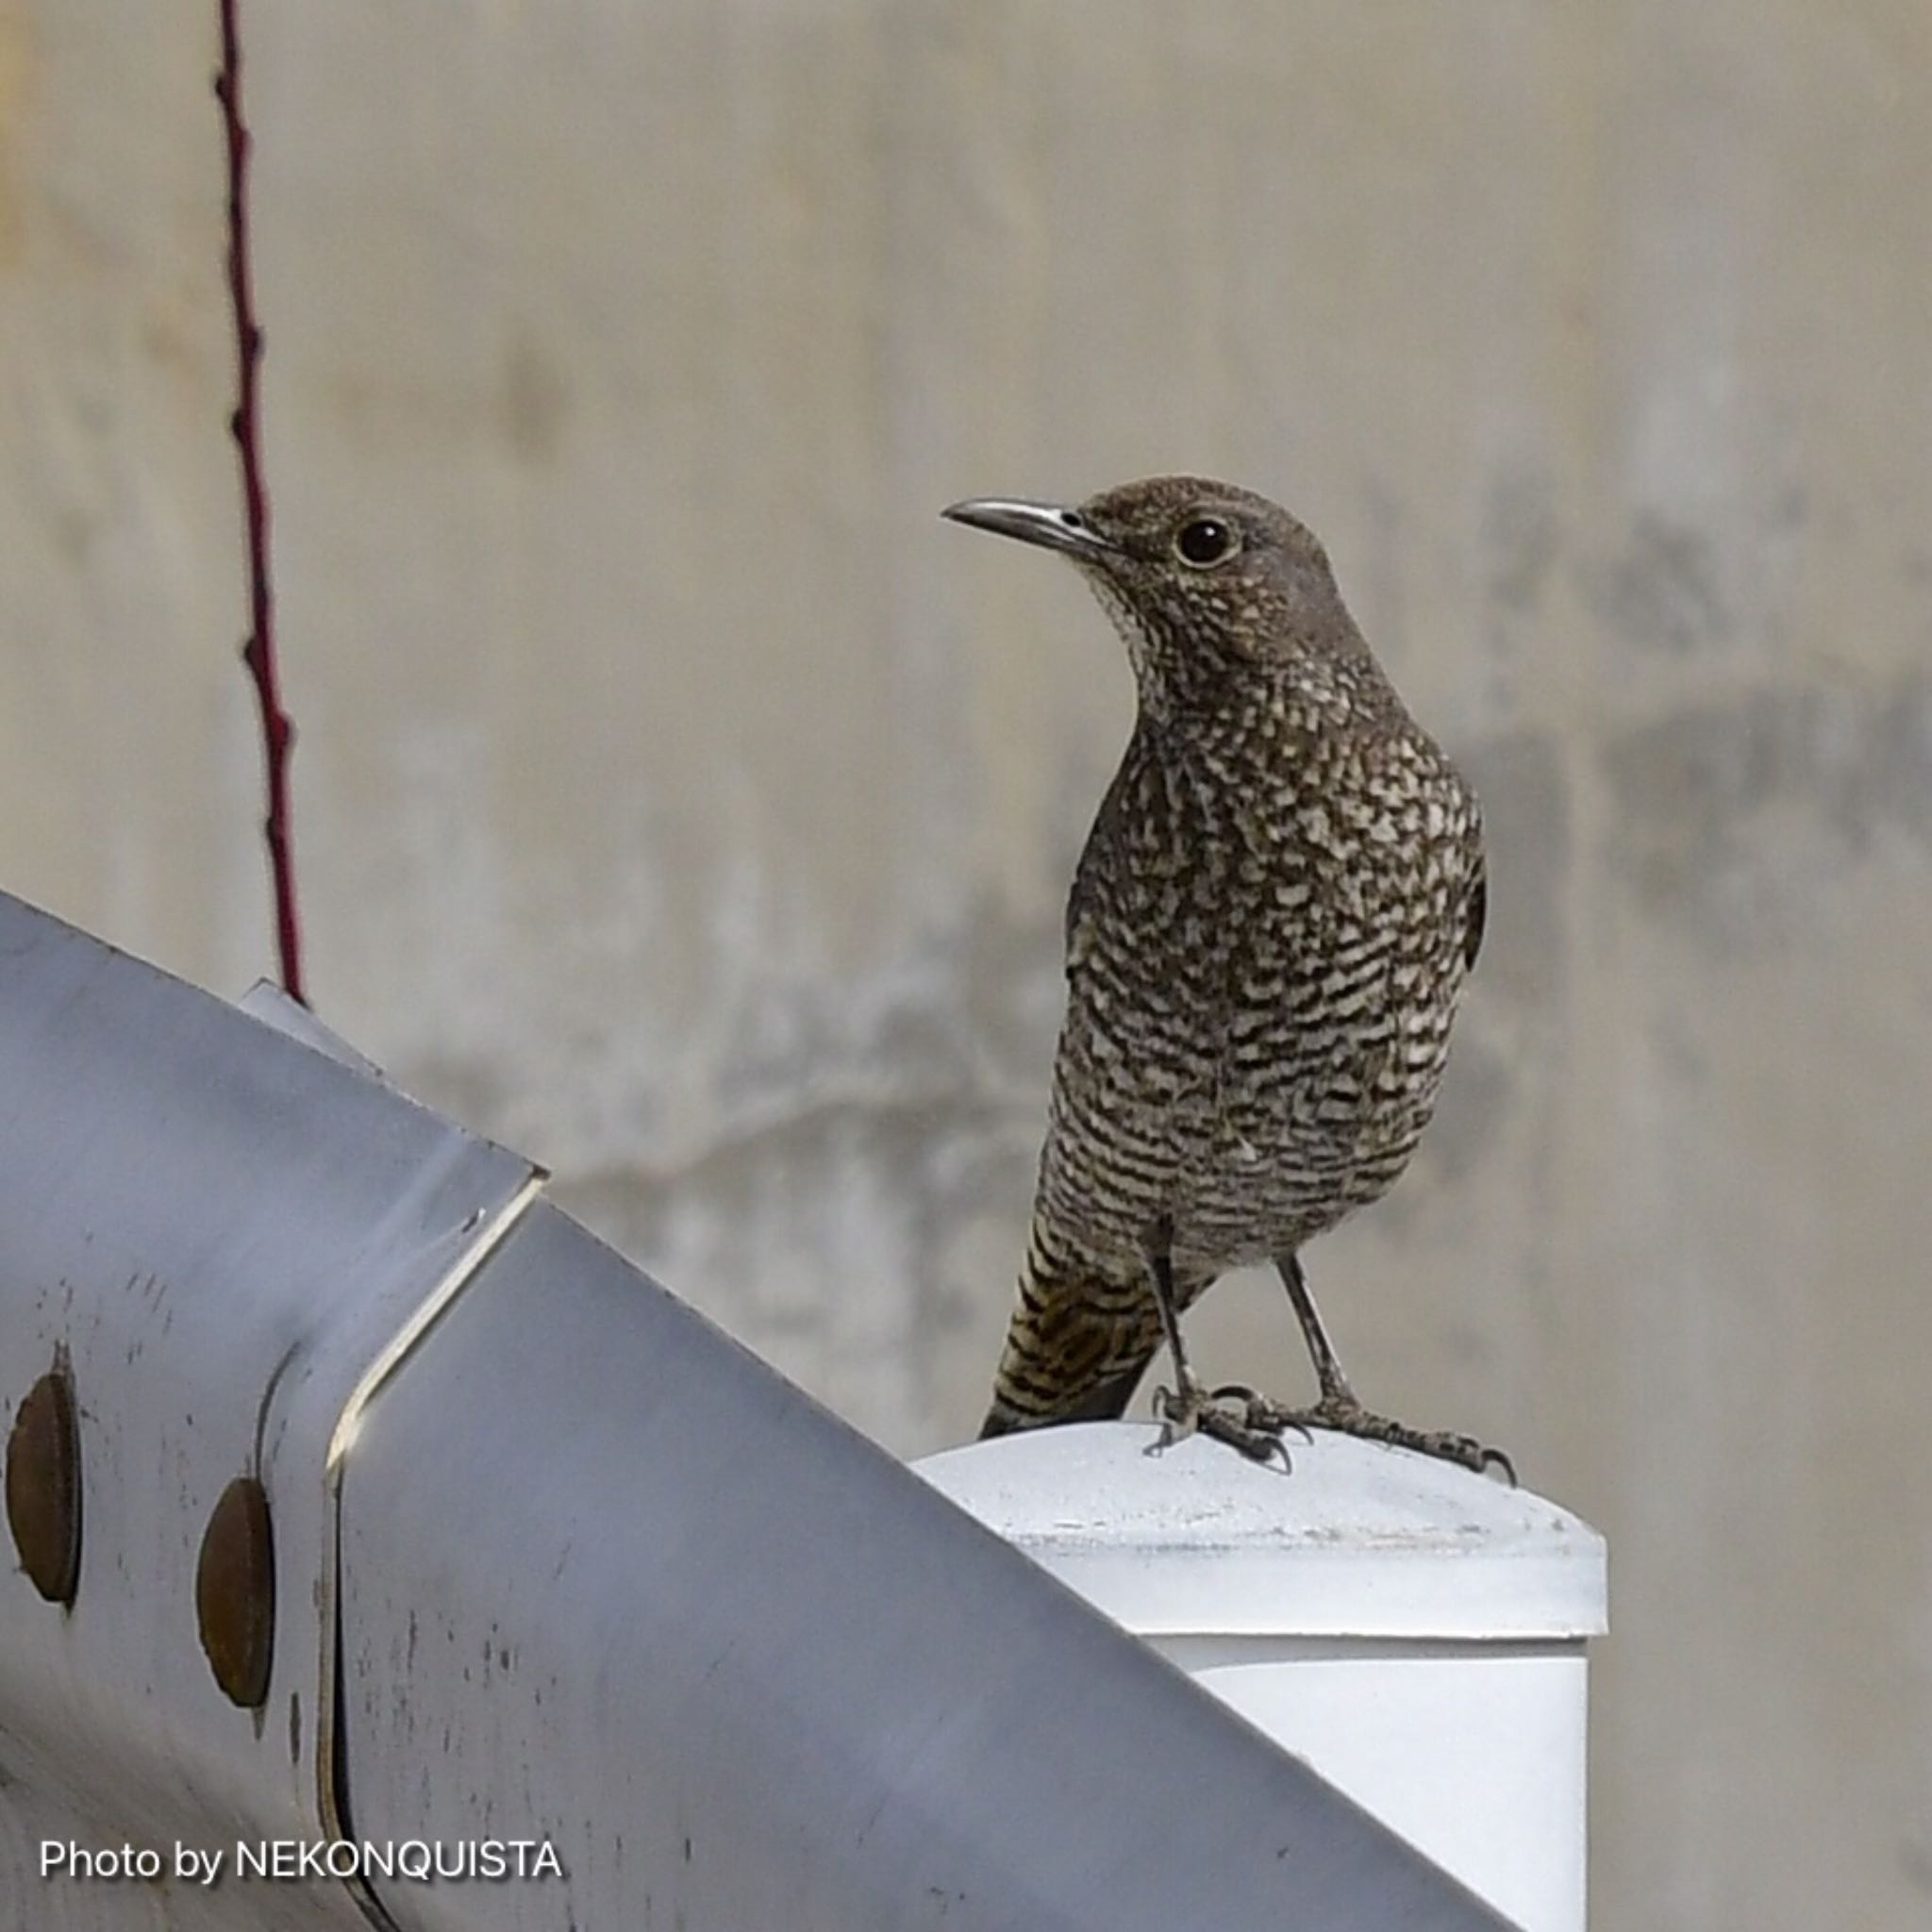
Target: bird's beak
pixel 1049 525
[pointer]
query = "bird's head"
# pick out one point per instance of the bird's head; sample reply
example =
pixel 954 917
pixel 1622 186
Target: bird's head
pixel 1213 588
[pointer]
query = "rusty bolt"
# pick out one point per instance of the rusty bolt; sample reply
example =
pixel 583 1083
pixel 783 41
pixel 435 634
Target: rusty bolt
pixel 43 1485
pixel 234 1593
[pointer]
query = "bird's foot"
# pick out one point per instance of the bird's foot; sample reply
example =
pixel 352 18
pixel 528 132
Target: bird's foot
pixel 1258 1415
pixel 1192 1409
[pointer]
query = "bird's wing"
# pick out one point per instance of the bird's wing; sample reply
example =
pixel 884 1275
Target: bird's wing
pixel 1478 913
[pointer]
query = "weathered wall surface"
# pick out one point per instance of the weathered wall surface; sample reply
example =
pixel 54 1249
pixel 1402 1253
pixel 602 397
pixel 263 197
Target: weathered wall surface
pixel 680 800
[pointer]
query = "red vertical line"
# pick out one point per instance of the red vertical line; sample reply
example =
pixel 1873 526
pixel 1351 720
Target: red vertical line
pixel 259 653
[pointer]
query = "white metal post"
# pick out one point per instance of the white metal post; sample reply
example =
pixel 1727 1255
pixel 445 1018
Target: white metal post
pixel 1415 1632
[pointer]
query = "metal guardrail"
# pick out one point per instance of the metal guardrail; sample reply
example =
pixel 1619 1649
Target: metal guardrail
pixel 407 1514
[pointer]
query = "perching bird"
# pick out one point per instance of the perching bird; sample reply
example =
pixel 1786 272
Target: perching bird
pixel 1269 931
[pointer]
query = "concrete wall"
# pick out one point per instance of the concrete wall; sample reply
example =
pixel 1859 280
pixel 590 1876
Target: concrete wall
pixel 680 800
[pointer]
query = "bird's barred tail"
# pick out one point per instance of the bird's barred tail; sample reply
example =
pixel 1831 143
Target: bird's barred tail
pixel 1076 1347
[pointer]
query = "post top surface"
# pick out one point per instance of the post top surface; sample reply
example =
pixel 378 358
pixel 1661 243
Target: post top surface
pixel 1356 1540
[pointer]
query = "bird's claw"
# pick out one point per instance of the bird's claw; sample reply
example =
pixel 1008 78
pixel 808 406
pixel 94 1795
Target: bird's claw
pixel 1261 1412
pixel 1349 1418
pixel 1192 1409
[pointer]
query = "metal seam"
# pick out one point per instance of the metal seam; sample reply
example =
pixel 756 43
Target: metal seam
pixel 489 1237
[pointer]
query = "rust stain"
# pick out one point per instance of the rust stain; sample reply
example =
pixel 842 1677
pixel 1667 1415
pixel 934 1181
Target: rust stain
pixel 43 1485
pixel 234 1593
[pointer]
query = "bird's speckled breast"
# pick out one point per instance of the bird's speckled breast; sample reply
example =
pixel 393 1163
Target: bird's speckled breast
pixel 1265 952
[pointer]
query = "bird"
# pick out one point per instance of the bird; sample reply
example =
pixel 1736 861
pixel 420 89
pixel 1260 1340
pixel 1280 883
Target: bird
pixel 1268 935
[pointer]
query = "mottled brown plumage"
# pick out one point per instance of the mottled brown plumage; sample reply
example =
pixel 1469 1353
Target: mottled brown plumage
pixel 1267 937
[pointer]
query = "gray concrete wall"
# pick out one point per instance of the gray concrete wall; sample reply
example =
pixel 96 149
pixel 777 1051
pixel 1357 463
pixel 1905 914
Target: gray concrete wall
pixel 680 800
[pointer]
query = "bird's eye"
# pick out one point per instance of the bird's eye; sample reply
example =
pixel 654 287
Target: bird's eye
pixel 1205 542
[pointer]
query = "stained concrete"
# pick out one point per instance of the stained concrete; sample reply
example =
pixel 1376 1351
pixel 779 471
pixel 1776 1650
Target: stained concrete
pixel 680 800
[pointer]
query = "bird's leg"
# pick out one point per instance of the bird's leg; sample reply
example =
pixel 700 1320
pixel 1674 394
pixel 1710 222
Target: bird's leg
pixel 1333 1384
pixel 1189 1407
pixel 1339 1408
